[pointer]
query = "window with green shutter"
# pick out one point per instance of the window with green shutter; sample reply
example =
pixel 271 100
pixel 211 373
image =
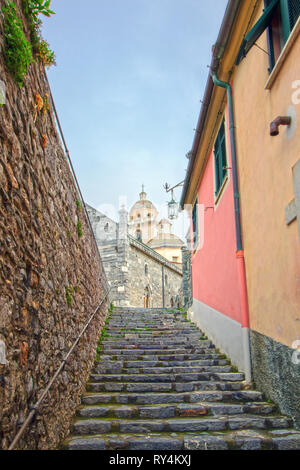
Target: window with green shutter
pixel 279 18
pixel 195 224
pixel 280 27
pixel 220 158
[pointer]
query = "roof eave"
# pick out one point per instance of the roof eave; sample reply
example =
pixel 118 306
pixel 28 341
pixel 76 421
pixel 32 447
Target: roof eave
pixel 232 9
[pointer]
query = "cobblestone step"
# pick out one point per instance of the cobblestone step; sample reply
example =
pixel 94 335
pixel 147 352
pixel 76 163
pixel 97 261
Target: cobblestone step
pixel 220 423
pixel 159 352
pixel 234 440
pixel 162 387
pixel 160 384
pixel 160 370
pixel 157 364
pixel 169 377
pixel 232 394
pixel 170 410
pixel 136 356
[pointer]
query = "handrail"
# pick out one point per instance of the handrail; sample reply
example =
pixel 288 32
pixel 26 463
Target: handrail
pixel 35 407
pixel 71 166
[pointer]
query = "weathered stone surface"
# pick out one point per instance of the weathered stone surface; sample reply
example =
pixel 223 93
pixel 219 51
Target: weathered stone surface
pixel 156 444
pixel 87 444
pixel 205 443
pixel 275 374
pixel 165 410
pixel 124 260
pixel 40 255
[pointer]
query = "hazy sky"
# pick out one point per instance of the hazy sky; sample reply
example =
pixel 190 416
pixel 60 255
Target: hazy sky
pixel 129 78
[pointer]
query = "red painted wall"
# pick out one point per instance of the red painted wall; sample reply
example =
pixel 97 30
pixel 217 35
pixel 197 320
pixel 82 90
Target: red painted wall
pixel 215 270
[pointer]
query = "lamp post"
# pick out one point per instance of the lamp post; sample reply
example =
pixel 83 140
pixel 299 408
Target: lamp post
pixel 173 206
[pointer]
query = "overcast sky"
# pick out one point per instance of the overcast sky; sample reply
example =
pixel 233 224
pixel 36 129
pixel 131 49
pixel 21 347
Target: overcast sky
pixel 129 78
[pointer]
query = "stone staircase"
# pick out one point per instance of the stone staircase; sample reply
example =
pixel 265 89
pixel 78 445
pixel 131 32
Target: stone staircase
pixel 160 384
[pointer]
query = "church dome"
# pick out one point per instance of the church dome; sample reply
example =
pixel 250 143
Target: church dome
pixel 143 218
pixel 143 204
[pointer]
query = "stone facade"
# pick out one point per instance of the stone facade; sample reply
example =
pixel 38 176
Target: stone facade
pixel 276 372
pixel 144 277
pixel 47 294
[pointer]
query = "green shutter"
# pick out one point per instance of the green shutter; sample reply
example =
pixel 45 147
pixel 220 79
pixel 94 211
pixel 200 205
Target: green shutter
pixel 220 157
pixel 195 222
pixel 257 30
pixel 293 12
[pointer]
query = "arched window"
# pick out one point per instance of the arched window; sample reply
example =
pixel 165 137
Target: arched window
pixel 106 227
pixel 139 235
pixel 146 269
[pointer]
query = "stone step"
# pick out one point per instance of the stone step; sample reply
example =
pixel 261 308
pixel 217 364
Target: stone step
pixel 184 377
pixel 160 384
pixel 220 423
pixel 157 364
pixel 283 439
pixel 191 346
pixel 154 397
pixel 170 410
pixel 158 351
pixel 169 341
pixel 159 370
pixel 134 356
pixel 163 386
pixel 153 328
pixel 150 335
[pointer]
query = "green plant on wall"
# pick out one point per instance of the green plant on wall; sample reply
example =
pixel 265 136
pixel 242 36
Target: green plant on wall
pixel 17 51
pixel 69 291
pixel 35 7
pixel 79 229
pixel 41 49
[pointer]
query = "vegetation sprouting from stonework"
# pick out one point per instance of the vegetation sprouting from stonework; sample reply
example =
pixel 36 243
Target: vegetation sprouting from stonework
pixel 40 47
pixel 69 291
pixel 17 51
pixel 79 229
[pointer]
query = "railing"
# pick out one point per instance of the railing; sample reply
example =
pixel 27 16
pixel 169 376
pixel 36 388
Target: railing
pixel 35 407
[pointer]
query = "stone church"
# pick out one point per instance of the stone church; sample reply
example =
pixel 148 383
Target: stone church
pixel 140 255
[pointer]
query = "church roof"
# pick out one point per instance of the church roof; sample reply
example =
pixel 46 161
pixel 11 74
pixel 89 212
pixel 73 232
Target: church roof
pixel 166 239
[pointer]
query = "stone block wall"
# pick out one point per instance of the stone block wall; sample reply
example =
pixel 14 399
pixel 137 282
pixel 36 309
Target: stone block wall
pixel 51 276
pixel 146 270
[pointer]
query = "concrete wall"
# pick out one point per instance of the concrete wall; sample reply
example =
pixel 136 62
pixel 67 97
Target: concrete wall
pixel 41 255
pixel 226 333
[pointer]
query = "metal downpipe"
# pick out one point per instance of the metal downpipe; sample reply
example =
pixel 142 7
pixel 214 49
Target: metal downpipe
pixel 238 231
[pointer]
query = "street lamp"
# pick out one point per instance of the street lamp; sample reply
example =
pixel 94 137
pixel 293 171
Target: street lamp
pixel 173 206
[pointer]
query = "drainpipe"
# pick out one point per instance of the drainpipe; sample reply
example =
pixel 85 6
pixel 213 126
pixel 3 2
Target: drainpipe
pixel 238 231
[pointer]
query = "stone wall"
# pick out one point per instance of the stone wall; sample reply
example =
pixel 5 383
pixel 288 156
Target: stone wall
pixel 276 373
pixel 125 260
pixel 51 277
pixel 149 272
